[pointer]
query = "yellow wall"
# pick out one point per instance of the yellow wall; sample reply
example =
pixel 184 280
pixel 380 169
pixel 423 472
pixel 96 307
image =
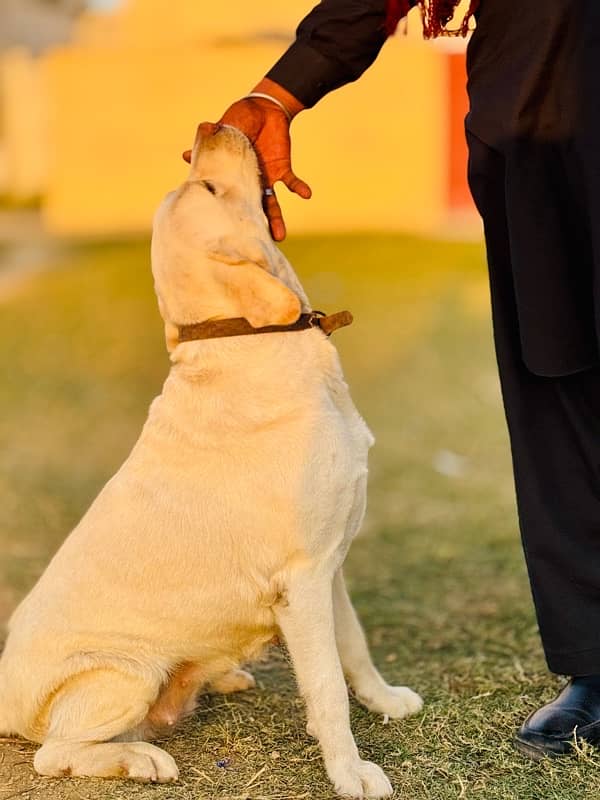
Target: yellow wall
pixel 98 127
pixel 373 152
pixel 192 21
pixel 24 125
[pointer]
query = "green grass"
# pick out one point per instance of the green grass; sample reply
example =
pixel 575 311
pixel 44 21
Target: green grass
pixel 437 575
pixel 10 202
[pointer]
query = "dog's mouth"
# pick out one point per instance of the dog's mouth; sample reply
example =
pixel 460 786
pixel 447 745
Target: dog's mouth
pixel 208 129
pixel 214 135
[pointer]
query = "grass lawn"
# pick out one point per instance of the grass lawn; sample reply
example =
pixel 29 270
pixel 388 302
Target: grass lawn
pixel 437 574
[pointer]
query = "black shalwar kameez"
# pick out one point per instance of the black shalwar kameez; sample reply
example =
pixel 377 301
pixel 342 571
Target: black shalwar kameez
pixel 533 131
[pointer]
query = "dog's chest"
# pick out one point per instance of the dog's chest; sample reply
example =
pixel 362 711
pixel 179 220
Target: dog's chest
pixel 335 485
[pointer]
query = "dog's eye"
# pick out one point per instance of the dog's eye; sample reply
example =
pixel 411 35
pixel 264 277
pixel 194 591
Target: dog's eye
pixel 210 186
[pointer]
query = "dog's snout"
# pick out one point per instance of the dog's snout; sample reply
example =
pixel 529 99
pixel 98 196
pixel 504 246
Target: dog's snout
pixel 206 129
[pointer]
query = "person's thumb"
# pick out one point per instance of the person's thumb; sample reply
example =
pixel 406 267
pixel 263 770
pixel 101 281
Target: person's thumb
pixel 296 184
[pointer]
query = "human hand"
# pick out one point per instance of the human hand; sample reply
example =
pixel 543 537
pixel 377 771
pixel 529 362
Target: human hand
pixel 267 127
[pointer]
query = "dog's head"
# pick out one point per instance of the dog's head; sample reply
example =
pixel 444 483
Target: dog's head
pixel 212 256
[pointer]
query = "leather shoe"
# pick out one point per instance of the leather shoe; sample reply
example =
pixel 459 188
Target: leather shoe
pixel 573 716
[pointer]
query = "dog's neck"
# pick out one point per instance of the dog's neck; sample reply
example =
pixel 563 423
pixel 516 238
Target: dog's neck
pixel 251 356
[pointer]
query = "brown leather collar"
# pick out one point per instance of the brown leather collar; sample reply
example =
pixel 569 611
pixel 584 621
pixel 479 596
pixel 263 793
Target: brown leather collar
pixel 239 326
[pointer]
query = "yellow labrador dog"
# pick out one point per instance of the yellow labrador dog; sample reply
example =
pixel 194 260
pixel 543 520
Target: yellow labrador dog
pixel 228 523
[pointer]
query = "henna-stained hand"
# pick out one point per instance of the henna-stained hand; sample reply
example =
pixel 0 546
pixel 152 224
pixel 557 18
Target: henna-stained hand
pixel 268 128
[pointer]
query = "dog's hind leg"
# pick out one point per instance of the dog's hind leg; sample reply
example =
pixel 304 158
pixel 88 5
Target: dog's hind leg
pixel 368 685
pixel 306 622
pixel 86 713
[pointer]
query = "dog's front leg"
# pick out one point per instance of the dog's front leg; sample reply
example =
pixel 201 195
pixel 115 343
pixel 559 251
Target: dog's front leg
pixel 368 685
pixel 307 625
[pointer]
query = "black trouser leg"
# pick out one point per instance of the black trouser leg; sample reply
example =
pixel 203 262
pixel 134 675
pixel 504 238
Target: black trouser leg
pixel 554 427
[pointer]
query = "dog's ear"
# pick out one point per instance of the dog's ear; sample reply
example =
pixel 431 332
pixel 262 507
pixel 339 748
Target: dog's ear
pixel 260 297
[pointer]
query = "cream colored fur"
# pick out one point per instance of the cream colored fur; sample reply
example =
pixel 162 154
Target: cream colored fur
pixel 228 523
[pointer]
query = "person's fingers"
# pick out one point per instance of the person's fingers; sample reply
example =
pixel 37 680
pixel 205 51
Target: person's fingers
pixel 295 184
pixel 187 156
pixel 274 215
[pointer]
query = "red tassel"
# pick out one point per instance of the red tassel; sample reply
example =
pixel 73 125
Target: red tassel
pixel 436 14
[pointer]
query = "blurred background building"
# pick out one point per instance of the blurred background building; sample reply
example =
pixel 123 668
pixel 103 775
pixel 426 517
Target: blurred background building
pixel 97 102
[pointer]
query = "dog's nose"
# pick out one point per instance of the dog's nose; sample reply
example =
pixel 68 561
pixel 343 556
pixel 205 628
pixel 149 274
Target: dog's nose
pixel 207 129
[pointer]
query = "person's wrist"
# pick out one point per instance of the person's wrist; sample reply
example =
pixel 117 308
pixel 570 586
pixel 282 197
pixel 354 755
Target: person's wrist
pixel 280 95
pixel 270 99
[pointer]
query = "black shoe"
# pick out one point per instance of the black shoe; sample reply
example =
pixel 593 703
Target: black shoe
pixel 574 716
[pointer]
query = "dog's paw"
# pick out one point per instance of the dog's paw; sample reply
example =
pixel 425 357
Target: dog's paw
pixel 139 763
pixel 359 779
pixel 393 701
pixel 238 680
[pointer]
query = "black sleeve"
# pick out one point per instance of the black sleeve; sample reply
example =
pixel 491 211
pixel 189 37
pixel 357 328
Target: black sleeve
pixel 334 45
